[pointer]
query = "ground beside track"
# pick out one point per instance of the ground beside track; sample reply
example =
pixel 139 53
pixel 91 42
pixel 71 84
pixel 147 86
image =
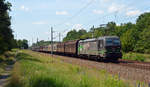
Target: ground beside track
pixel 34 69
pixel 133 74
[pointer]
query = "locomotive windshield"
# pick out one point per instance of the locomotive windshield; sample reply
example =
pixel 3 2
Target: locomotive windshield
pixel 112 42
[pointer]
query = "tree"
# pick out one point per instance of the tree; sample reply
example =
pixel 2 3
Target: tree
pixel 110 28
pixel 6 36
pixel 134 37
pixel 143 30
pixel 22 44
pixel 74 35
pixel 128 40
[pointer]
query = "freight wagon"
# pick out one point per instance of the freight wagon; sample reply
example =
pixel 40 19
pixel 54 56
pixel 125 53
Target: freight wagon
pixel 107 47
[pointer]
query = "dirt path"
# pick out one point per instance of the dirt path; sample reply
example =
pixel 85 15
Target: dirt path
pixel 4 77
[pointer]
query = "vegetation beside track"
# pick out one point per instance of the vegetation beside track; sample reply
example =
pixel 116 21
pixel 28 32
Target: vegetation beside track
pixel 137 56
pixel 7 58
pixel 35 70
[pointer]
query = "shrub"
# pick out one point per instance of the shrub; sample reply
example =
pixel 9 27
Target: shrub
pixel 9 54
pixel 10 60
pixel 2 58
pixel 134 56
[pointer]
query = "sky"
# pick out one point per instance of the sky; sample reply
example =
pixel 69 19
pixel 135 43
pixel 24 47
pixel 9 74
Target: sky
pixel 32 19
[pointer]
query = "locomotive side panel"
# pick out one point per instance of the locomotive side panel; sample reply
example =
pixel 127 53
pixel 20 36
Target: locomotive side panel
pixel 88 47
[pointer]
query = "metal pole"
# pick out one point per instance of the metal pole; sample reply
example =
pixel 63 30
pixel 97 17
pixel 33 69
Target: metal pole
pixel 32 41
pixel 16 36
pixel 52 41
pixel 59 37
pixel 93 31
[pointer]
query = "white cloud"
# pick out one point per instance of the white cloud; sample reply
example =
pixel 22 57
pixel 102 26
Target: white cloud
pixel 47 33
pixel 98 11
pixel 77 27
pixel 61 13
pixel 39 23
pixel 116 7
pixel 68 24
pixel 133 12
pixel 105 0
pixel 146 11
pixel 23 8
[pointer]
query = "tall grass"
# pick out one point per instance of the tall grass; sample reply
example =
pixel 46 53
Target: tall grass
pixel 6 59
pixel 136 56
pixel 36 70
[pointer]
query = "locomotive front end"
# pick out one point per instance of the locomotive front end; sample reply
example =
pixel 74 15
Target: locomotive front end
pixel 113 48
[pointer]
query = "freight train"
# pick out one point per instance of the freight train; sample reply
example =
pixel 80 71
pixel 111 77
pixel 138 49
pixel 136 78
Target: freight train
pixel 107 47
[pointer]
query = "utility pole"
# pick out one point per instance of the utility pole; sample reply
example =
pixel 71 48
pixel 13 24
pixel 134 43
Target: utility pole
pixel 93 31
pixel 52 41
pixel 116 17
pixel 16 36
pixel 37 41
pixel 29 44
pixel 32 41
pixel 59 37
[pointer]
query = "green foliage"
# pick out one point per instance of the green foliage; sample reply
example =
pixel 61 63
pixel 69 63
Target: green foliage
pixel 2 58
pixel 74 35
pixel 134 56
pixel 43 43
pixel 9 54
pixel 7 57
pixel 22 44
pixel 134 37
pixel 128 40
pixel 6 36
pixel 143 27
pixel 52 72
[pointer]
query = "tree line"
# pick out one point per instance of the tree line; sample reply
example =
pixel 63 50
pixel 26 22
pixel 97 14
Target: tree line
pixel 134 37
pixel 7 41
pixel 6 36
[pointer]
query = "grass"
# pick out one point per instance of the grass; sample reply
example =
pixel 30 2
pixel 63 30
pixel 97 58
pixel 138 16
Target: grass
pixel 6 59
pixel 137 56
pixel 35 70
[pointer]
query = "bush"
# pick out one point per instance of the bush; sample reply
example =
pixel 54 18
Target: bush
pixel 134 56
pixel 9 54
pixel 2 58
pixel 10 60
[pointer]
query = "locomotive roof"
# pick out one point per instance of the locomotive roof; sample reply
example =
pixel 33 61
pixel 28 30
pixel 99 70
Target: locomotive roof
pixel 94 39
pixel 108 37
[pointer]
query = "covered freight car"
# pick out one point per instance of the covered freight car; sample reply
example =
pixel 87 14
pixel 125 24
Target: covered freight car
pixel 71 47
pixel 61 48
pixel 48 48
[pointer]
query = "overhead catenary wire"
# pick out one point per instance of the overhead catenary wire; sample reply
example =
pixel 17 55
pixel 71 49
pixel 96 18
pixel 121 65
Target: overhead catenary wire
pixel 73 16
pixel 76 14
pixel 124 19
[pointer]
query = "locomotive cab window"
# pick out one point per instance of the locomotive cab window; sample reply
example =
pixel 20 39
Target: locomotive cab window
pixel 112 42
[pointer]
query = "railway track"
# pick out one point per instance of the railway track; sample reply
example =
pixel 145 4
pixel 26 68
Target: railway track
pixel 127 69
pixel 135 64
pixel 122 62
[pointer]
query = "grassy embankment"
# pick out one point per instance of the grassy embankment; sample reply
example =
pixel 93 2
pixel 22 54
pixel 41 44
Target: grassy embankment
pixel 7 59
pixel 36 70
pixel 137 56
